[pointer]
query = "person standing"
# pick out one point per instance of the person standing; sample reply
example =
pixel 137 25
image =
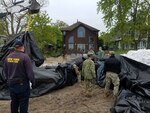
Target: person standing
pixel 100 54
pixel 112 68
pixel 19 71
pixel 77 66
pixel 100 63
pixel 88 72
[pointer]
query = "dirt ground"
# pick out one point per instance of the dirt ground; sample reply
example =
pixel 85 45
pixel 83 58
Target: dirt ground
pixel 70 99
pixel 67 100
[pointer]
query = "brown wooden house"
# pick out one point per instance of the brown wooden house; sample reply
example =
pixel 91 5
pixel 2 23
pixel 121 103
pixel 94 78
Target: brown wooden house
pixel 79 38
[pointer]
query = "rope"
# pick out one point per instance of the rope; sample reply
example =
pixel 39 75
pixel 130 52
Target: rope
pixel 29 22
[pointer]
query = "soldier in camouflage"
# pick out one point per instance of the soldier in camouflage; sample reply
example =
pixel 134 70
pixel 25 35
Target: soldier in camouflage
pixel 112 68
pixel 88 72
pixel 78 67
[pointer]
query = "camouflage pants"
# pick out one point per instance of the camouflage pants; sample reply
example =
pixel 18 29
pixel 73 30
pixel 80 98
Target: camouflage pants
pixel 112 78
pixel 77 72
pixel 89 86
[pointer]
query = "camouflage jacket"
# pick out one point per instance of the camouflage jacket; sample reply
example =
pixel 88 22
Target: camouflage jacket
pixel 88 69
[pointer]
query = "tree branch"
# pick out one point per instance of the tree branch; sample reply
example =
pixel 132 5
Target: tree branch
pixel 147 1
pixel 21 28
pixel 12 23
pixel 19 22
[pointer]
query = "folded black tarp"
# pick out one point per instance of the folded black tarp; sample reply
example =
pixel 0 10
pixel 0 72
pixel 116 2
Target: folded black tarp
pixel 46 80
pixel 31 47
pixel 134 95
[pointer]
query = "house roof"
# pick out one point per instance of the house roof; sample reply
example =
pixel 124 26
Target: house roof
pixel 73 26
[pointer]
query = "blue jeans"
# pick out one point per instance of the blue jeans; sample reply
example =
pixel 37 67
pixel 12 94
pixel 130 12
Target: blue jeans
pixel 100 70
pixel 100 78
pixel 19 94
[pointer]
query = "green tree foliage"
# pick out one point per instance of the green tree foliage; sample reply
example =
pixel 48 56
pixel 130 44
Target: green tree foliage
pixel 2 34
pixel 105 38
pixel 127 16
pixel 45 33
pixel 60 24
pixel 1 28
pixel 115 11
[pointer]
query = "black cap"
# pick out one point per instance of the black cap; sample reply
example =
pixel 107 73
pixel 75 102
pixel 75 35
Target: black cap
pixel 18 44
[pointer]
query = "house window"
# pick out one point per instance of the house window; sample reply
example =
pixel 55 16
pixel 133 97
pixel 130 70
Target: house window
pixel 91 42
pixel 70 46
pixel 71 39
pixel 142 44
pixel 81 47
pixel 81 32
pixel 71 43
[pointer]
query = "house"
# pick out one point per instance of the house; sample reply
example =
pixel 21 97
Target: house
pixel 130 44
pixel 79 38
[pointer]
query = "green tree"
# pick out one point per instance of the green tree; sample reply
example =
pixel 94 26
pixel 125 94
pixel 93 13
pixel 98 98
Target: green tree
pixel 45 33
pixel 105 37
pixel 1 28
pixel 127 16
pixel 60 24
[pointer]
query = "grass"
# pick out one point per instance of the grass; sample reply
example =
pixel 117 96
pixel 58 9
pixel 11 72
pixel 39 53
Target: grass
pixel 121 52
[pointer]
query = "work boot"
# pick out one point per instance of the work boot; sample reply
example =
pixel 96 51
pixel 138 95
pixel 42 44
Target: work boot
pixel 88 94
pixel 107 94
pixel 113 99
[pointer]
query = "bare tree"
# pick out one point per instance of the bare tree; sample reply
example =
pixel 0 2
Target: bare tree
pixel 17 15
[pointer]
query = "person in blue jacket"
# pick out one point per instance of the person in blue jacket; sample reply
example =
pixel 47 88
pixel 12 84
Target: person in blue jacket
pixel 19 72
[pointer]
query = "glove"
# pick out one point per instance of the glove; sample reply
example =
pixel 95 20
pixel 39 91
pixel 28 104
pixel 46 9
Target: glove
pixel 74 66
pixel 32 85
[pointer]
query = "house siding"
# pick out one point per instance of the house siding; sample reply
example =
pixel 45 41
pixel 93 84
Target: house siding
pixel 80 40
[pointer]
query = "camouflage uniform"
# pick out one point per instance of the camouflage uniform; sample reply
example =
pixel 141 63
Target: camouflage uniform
pixel 112 78
pixel 112 68
pixel 88 71
pixel 76 68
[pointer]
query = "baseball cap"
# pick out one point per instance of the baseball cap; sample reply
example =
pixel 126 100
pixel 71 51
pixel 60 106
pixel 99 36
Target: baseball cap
pixel 111 52
pixel 90 53
pixel 85 56
pixel 18 44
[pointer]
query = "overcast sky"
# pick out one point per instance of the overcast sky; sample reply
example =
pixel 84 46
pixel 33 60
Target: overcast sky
pixel 70 11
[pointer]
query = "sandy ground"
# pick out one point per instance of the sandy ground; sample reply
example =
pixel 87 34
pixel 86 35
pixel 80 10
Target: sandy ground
pixel 67 100
pixel 70 99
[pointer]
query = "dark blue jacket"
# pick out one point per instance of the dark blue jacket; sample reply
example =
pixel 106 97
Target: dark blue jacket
pixel 112 64
pixel 18 65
